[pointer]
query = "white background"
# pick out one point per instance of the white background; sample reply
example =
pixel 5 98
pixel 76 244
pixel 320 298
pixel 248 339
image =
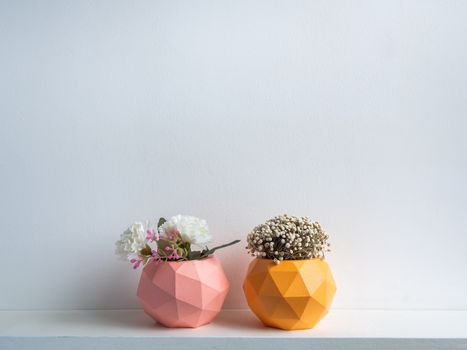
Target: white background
pixel 351 112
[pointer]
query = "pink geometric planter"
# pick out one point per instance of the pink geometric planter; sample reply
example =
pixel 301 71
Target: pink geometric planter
pixel 183 294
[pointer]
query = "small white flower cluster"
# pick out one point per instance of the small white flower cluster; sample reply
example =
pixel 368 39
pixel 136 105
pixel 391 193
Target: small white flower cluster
pixel 287 237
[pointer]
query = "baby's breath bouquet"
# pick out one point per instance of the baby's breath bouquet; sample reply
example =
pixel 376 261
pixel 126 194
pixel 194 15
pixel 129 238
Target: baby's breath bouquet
pixel 175 239
pixel 287 237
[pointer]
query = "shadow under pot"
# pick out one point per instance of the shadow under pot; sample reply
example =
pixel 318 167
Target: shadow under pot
pixel 295 294
pixel 183 294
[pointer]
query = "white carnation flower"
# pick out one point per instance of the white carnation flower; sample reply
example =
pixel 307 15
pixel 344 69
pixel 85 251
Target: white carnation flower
pixel 191 229
pixel 131 241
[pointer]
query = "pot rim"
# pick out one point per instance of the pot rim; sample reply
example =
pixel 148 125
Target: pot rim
pixel 210 257
pixel 282 261
pixel 271 262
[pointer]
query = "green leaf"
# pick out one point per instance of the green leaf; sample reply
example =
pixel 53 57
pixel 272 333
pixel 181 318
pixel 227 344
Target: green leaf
pixel 146 251
pixel 161 222
pixel 193 255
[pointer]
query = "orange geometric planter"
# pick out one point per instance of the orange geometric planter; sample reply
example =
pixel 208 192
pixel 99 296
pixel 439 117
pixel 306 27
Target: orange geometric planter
pixel 183 294
pixel 295 294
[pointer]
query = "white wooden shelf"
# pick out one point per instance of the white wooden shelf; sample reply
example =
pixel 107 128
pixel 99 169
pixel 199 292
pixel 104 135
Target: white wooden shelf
pixel 232 329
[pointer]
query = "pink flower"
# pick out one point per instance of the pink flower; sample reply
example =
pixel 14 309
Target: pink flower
pixel 155 256
pixel 136 263
pixel 174 255
pixel 152 235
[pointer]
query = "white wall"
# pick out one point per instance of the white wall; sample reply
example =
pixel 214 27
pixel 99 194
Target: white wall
pixel 351 112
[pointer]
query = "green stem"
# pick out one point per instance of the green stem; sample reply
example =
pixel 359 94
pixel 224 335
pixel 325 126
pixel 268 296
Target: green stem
pixel 208 252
